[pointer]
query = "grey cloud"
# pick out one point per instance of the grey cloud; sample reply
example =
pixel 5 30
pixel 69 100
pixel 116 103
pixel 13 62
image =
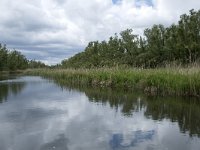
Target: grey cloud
pixel 55 29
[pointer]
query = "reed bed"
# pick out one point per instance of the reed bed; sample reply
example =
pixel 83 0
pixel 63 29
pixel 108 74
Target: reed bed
pixel 163 81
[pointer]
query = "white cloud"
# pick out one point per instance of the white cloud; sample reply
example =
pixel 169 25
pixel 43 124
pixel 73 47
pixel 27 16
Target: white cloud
pixel 66 26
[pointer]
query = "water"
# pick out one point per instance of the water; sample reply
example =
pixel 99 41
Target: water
pixel 38 114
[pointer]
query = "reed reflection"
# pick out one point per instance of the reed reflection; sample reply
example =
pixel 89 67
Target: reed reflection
pixel 184 111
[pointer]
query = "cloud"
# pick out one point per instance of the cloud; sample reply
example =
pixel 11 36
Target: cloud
pixel 57 29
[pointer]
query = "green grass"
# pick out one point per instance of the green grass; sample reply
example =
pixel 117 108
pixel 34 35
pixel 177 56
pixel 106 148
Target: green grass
pixel 166 81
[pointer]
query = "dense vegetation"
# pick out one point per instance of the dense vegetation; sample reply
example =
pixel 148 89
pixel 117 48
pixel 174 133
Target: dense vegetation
pixel 178 44
pixel 36 64
pixel 14 60
pixel 11 60
pixel 174 81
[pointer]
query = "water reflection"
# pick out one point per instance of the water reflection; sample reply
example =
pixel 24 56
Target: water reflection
pixel 183 110
pixel 118 141
pixel 59 143
pixel 10 89
pixel 48 116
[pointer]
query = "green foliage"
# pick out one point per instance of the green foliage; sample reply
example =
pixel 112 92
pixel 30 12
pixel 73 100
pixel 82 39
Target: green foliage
pixel 177 81
pixel 14 60
pixel 36 64
pixel 160 46
pixel 3 57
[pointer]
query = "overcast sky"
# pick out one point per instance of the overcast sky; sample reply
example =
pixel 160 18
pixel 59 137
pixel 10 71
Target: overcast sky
pixel 51 30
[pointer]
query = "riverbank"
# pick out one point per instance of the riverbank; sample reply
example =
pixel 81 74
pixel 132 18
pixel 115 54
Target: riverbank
pixel 167 81
pixel 8 74
pixel 11 72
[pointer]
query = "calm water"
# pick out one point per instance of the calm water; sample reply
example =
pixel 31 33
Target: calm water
pixel 37 114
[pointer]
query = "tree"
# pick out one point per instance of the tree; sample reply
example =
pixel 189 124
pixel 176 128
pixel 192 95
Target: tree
pixel 130 45
pixel 179 43
pixel 3 57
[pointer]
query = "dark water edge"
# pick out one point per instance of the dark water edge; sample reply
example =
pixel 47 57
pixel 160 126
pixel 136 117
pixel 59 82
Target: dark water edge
pixel 43 114
pixel 5 75
pixel 182 109
pixel 161 81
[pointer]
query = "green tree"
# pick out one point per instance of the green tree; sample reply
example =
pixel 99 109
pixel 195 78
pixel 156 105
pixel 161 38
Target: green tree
pixel 130 45
pixel 3 57
pixel 159 46
pixel 16 61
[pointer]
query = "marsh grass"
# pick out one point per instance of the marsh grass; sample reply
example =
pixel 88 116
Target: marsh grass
pixel 163 81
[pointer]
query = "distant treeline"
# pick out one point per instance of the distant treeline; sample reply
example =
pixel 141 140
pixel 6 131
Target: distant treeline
pixel 14 60
pixel 178 44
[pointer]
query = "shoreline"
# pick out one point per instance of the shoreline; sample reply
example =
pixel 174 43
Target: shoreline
pixel 165 81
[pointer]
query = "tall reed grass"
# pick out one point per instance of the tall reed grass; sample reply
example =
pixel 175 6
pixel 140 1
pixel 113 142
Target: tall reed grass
pixel 166 81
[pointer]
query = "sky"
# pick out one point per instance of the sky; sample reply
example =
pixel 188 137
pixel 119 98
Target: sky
pixel 53 30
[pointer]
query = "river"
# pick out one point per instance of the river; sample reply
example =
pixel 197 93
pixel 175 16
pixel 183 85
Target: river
pixel 42 114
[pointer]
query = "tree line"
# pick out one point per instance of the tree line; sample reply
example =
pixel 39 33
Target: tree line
pixel 159 46
pixel 14 60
